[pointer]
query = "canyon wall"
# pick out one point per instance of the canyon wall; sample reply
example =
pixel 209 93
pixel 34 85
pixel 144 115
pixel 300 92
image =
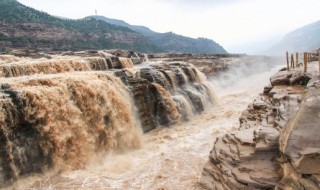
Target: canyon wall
pixel 276 145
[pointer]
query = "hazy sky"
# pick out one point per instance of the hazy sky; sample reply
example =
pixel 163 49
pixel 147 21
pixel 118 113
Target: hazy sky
pixel 238 25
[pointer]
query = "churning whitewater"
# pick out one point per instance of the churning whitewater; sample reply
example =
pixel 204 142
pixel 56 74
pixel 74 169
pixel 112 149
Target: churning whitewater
pixel 80 125
pixel 60 114
pixel 170 158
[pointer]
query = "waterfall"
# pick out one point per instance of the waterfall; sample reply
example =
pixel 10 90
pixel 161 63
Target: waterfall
pixel 190 92
pixel 62 120
pixel 15 67
pixel 146 58
pixel 168 106
pixel 126 62
pixel 98 64
pixel 57 113
pixel 58 65
pixel 172 79
pixel 184 106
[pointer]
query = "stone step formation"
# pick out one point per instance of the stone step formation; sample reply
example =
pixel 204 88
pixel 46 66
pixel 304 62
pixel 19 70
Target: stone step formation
pixel 276 145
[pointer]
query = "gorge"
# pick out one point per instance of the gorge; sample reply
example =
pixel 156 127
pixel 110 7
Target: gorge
pixel 119 119
pixel 92 102
pixel 76 119
pixel 59 111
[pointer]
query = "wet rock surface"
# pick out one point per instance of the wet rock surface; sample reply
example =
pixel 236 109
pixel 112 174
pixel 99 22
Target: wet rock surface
pixel 57 111
pixel 276 145
pixel 213 64
pixel 177 84
pixel 206 63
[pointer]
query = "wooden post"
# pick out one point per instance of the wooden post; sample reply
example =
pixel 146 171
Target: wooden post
pixel 297 59
pixel 305 56
pixel 319 60
pixel 309 58
pixel 292 61
pixel 287 55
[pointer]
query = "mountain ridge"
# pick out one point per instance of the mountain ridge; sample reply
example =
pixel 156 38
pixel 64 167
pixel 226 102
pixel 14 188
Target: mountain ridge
pixel 305 38
pixel 170 41
pixel 23 27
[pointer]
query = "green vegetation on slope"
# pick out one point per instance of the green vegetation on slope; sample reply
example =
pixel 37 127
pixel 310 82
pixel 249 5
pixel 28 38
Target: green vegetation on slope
pixel 25 27
pixel 171 42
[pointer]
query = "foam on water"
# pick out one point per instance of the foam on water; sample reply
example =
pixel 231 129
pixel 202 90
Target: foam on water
pixel 169 158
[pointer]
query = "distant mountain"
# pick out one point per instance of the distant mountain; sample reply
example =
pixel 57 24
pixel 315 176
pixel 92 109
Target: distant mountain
pixel 141 29
pixel 303 39
pixel 170 42
pixel 25 27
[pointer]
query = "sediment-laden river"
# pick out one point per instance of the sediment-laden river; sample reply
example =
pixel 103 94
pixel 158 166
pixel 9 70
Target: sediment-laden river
pixel 169 158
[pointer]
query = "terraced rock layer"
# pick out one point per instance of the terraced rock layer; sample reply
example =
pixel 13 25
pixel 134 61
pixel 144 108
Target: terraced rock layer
pixel 276 145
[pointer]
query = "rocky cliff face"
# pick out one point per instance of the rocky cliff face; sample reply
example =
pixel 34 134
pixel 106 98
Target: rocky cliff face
pixel 276 146
pixel 57 111
pixel 299 143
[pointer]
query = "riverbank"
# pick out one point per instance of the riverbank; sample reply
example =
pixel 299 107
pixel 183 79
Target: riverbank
pixel 165 155
pixel 275 146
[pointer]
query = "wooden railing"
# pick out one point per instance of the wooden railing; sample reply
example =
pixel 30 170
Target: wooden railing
pixel 307 57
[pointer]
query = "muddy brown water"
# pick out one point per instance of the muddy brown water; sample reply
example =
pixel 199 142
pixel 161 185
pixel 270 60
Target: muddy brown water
pixel 169 158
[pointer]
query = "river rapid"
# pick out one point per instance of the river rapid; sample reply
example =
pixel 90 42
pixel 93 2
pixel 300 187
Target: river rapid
pixel 169 158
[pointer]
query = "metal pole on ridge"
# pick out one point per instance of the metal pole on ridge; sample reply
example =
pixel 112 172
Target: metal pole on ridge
pixel 319 60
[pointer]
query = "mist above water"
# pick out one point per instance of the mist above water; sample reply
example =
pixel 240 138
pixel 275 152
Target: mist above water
pixel 177 153
pixel 170 154
pixel 247 74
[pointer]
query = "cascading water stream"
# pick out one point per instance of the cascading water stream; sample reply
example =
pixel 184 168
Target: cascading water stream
pixel 62 120
pixel 67 111
pixel 21 67
pixel 126 63
pixel 190 91
pixel 169 158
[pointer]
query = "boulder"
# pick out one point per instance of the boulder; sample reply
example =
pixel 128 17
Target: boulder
pixel 299 78
pixel 267 89
pixel 281 78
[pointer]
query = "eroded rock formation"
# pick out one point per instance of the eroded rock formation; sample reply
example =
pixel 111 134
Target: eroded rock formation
pixel 276 145
pixel 57 111
pixel 206 63
pixel 299 143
